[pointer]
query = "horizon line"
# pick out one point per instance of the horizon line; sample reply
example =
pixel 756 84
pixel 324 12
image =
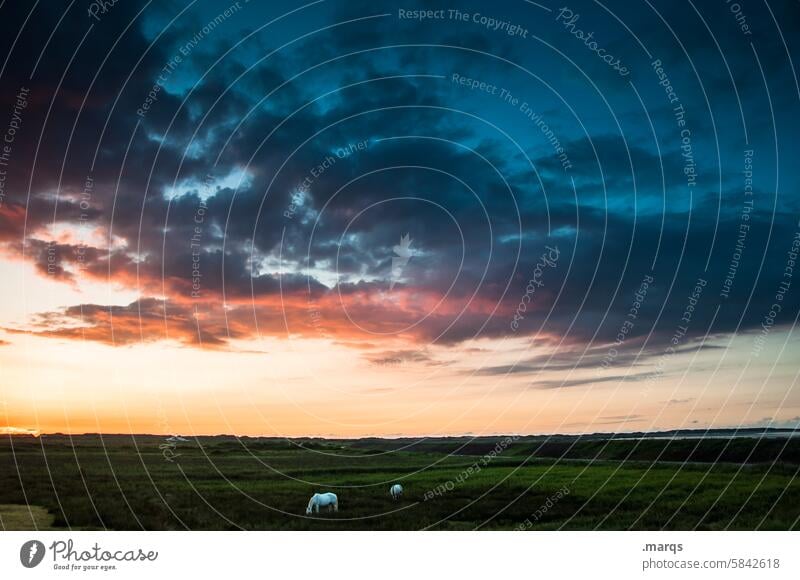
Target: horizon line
pixel 38 435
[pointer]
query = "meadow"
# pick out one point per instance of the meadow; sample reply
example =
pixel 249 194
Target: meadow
pixel 491 483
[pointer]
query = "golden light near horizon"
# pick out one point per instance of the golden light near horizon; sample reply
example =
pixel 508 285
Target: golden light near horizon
pixel 285 387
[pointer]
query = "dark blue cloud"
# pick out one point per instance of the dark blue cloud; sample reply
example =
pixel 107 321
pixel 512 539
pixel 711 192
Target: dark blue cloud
pixel 555 148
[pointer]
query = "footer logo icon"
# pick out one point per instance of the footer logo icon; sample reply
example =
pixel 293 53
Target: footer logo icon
pixel 31 553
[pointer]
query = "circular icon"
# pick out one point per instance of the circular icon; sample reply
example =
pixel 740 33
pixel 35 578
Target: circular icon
pixel 31 553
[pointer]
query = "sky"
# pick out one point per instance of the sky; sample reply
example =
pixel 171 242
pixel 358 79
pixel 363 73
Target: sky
pixel 354 219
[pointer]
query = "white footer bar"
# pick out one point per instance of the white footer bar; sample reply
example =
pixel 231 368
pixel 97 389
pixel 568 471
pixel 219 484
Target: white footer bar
pixel 399 555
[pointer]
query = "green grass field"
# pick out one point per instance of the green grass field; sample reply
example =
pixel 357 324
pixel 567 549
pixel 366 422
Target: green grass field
pixel 121 482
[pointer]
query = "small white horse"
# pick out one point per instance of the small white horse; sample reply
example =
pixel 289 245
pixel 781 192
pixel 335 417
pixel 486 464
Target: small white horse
pixel 319 500
pixel 396 490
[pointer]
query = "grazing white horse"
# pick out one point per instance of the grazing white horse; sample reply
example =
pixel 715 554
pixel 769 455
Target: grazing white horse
pixel 396 490
pixel 319 500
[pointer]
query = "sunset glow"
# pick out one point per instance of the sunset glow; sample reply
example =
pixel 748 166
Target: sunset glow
pixel 232 224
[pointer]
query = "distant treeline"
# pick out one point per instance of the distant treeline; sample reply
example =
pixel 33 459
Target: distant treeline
pixel 753 449
pixel 750 446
